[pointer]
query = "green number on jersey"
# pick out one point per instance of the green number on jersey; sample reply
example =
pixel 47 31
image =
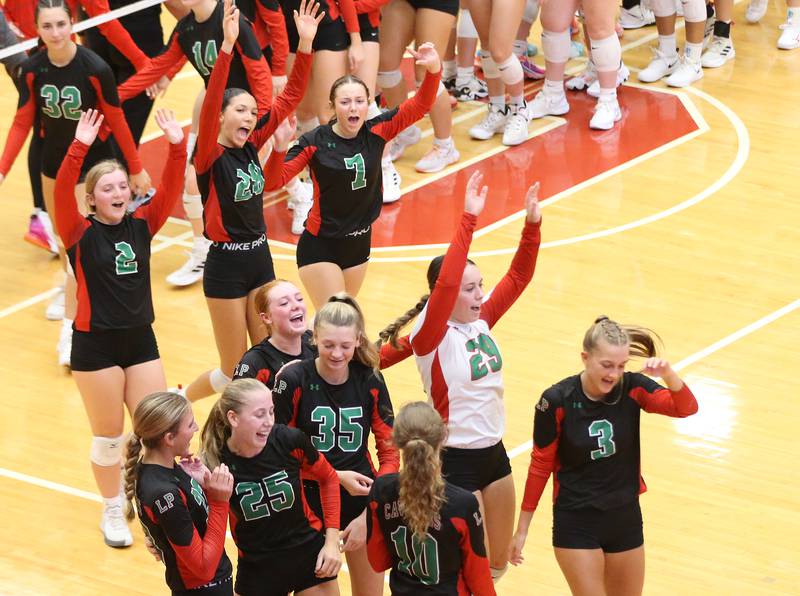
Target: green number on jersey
pixel 277 487
pixel 281 490
pixel 198 494
pixel 126 259
pixel 64 102
pixel 356 163
pixel 351 433
pixel 425 562
pixel 604 431
pixel 252 508
pixel 250 183
pixel 485 350
pixel 205 62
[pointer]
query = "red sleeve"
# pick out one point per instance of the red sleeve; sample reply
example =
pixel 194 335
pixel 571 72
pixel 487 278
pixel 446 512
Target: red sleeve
pixel 207 146
pixel 391 355
pixel 171 187
pixel 411 109
pixel 518 277
pixel 115 119
pixel 116 34
pixel 278 38
pixel 349 15
pixel 546 435
pixel 170 61
pixel 377 550
pixel 278 172
pixel 474 563
pixel 23 121
pixel 69 222
pixel 259 77
pixel 22 13
pixel 330 496
pixel 678 404
pixel 382 419
pixel 445 292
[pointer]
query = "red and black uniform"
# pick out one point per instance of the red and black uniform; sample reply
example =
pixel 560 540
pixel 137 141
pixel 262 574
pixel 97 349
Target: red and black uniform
pixel 231 185
pixel 200 42
pixel 338 418
pixel 348 180
pixel 592 448
pixel 451 561
pixel 112 268
pixel 187 530
pixel 59 94
pixel 264 360
pixel 266 17
pixel 333 31
pixel 369 18
pixel 276 533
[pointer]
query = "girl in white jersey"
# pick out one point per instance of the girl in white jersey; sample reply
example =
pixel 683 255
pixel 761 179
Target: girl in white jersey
pixel 461 365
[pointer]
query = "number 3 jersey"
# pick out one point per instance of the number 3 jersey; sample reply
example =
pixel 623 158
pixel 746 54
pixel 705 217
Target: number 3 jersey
pixel 592 447
pixel 452 558
pixel 338 418
pixel 269 513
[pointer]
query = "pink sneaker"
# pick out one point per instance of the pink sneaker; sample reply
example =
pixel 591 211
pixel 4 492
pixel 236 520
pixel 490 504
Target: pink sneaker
pixel 39 235
pixel 530 69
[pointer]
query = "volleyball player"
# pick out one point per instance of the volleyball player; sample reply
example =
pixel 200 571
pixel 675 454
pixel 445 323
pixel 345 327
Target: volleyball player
pixel 429 532
pixel 461 365
pixel 270 29
pixel 586 433
pixel 282 310
pixel 115 359
pixel 344 157
pixel 232 185
pixel 281 542
pixel 184 514
pixel 337 399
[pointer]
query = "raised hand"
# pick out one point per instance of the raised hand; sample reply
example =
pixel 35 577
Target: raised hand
pixel 475 196
pixel 657 367
pixel 284 134
pixel 306 20
pixel 230 26
pixel 218 484
pixel 88 126
pixel 532 209
pixel 172 129
pixel 426 55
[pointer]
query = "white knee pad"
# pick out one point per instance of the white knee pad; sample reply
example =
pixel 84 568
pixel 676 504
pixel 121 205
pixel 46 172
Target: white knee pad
pixel 106 451
pixel 219 380
pixel 389 78
pixel 466 28
pixel 490 70
pixel 498 573
pixel 606 53
pixel 694 11
pixel 373 110
pixel 510 70
pixel 192 206
pixel 556 46
pixel 531 11
pixel 663 8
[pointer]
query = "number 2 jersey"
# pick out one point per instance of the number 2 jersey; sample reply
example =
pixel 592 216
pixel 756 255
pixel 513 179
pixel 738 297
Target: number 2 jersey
pixel 269 513
pixel 112 262
pixel 188 531
pixel 450 561
pixel 592 447
pixel 338 418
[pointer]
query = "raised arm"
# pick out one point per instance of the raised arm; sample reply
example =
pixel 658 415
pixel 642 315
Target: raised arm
pixel 281 166
pixel 259 76
pixel 166 63
pixel 676 400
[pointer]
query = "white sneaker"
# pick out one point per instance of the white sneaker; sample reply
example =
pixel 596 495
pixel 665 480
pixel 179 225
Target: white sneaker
pixel 790 38
pixel 637 17
pixel 406 138
pixel 606 113
pixel 192 270
pixel 516 131
pixel 474 89
pixel 686 73
pixel 660 66
pixel 545 104
pixel 64 345
pixel 718 53
pixel 438 158
pixel 299 216
pixel 391 181
pixel 708 33
pixel 114 528
pixel 493 122
pixel 55 308
pixel 622 75
pixel 756 10
pixel 301 192
pixel 583 80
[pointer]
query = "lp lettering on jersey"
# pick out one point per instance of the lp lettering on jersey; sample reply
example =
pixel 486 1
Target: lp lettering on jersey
pixel 165 503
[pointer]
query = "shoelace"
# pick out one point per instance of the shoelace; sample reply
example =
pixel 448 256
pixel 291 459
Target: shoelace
pixel 115 519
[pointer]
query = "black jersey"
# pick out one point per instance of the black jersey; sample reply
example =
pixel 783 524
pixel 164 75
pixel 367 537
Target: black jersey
pixel 112 262
pixel 269 513
pixel 338 418
pixel 452 558
pixel 592 447
pixel 346 173
pixel 264 360
pixel 59 94
pixel 187 530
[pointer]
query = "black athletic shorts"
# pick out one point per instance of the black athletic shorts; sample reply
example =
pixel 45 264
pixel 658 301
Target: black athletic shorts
pixel 614 530
pixel 346 252
pixel 368 32
pixel 96 350
pixel 222 587
pixel 475 469
pixel 54 153
pixel 351 507
pixel 283 573
pixel 234 269
pixel 331 35
pixel 448 6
